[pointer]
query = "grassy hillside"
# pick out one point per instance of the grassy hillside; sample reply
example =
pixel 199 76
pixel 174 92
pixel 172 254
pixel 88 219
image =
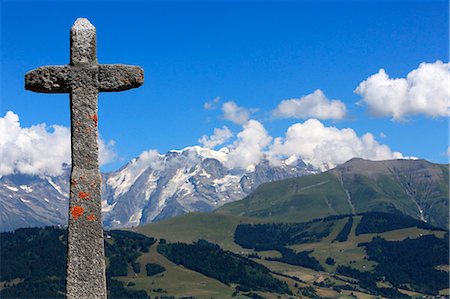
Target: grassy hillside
pixel 293 200
pixel 347 253
pixel 188 228
pixel 413 187
pixel 175 281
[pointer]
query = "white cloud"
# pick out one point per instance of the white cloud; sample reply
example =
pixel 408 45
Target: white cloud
pixel 234 113
pixel 106 151
pixel 249 147
pixel 220 136
pixel 448 151
pixel 211 105
pixel 315 105
pixel 425 90
pixel 150 158
pixel 325 147
pixel 382 135
pixel 39 149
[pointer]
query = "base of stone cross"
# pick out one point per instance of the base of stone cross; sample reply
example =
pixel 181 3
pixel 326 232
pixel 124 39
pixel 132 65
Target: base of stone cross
pixel 86 277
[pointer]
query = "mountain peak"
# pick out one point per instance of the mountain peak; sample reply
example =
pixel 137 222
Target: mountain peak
pixel 381 167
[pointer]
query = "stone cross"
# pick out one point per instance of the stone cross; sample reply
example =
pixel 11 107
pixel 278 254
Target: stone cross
pixel 83 79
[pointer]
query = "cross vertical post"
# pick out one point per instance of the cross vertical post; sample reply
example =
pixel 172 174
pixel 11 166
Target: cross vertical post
pixel 83 79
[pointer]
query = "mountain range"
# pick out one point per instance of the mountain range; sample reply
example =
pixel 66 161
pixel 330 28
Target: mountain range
pixel 149 188
pixel 154 186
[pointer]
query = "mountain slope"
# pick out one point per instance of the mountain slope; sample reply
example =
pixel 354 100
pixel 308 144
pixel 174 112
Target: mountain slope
pixel 216 228
pixel 413 187
pixel 27 201
pixel 156 187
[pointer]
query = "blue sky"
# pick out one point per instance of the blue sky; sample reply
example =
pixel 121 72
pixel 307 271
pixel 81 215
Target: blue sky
pixel 256 54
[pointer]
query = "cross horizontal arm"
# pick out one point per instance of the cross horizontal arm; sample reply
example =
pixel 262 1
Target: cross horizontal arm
pixel 118 77
pixel 49 79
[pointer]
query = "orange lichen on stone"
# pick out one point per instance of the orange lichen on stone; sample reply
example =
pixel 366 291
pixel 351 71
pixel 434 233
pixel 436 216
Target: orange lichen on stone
pixel 95 119
pixel 77 212
pixel 91 217
pixel 83 195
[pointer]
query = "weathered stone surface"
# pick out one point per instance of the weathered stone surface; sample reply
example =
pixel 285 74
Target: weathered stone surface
pixel 104 78
pixel 83 43
pixel 118 77
pixel 48 79
pixel 83 78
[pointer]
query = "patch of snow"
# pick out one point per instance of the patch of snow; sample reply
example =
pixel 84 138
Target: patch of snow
pixel 188 188
pixel 122 181
pixel 291 160
pixel 223 184
pixel 11 188
pixel 220 155
pixel 45 198
pixel 251 168
pixel 26 188
pixel 24 200
pixel 106 207
pixel 57 188
pixel 227 180
pixel 135 218
pixel 151 186
pixel 178 183
pixel 204 174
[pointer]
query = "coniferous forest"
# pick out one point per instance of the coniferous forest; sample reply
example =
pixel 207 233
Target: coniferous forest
pixel 38 257
pixel 227 267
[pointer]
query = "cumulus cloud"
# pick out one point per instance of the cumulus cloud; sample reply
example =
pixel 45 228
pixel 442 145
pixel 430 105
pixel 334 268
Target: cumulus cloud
pixel 33 150
pixel 249 146
pixel 234 113
pixel 425 90
pixel 325 147
pixel 39 149
pixel 212 105
pixel 106 151
pixel 220 136
pixel 315 105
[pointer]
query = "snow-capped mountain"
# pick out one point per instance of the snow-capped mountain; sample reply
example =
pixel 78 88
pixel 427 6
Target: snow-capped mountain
pixel 33 201
pixel 149 188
